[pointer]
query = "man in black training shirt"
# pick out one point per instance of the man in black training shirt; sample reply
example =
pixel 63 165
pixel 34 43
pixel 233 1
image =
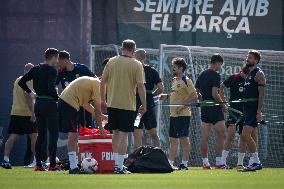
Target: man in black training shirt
pixel 207 86
pixel 254 94
pixel 44 78
pixel 235 122
pixel 154 86
pixel 68 72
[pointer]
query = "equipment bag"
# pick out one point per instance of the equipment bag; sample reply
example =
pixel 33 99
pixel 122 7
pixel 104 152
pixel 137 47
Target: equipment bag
pixel 148 159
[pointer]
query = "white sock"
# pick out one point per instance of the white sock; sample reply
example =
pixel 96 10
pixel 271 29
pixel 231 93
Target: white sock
pixel 205 161
pixel 225 154
pixel 77 160
pixel 34 161
pixel 120 161
pixel 218 161
pixel 241 157
pixel 73 160
pixel 255 158
pixel 125 156
pixel 115 158
pixel 250 161
pixel 171 162
pixel 185 162
pixel 6 158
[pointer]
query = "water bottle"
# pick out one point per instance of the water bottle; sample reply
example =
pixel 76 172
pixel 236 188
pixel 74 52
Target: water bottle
pixel 137 120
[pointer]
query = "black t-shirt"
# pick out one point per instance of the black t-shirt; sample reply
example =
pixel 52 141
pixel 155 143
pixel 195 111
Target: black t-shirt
pixel 65 77
pixel 236 84
pixel 152 78
pixel 44 78
pixel 206 81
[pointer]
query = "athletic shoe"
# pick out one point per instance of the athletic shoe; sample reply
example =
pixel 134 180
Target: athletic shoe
pixel 37 168
pixel 6 165
pixel 182 167
pixel 240 167
pixel 222 167
pixel 55 168
pixel 256 166
pixel 45 165
pixel 253 167
pixel 121 171
pixel 32 165
pixel 79 165
pixel 174 167
pixel 76 171
pixel 247 169
pixel 206 166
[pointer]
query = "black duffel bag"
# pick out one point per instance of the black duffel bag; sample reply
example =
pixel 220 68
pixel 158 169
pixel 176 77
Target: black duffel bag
pixel 148 159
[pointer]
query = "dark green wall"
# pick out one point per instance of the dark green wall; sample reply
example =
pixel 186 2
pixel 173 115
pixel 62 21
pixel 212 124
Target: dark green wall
pixel 108 27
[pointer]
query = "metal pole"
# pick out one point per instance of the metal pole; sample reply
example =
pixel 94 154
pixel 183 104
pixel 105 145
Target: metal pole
pixel 91 63
pixel 161 73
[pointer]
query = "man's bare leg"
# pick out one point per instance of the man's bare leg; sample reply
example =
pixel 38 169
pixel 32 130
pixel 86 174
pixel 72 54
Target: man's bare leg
pixel 122 148
pixel 251 143
pixel 137 138
pixel 9 145
pixel 220 132
pixel 228 142
pixel 205 134
pixel 154 137
pixel 185 150
pixel 173 150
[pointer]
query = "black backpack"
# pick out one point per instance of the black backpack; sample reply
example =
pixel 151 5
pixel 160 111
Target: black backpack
pixel 148 159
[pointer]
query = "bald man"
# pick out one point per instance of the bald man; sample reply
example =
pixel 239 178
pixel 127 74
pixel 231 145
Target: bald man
pixel 154 86
pixel 22 118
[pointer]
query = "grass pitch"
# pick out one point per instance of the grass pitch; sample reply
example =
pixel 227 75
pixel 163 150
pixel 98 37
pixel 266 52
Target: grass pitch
pixel 23 178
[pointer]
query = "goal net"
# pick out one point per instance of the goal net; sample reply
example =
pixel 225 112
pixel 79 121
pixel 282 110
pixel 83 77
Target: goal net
pixel 271 134
pixel 98 53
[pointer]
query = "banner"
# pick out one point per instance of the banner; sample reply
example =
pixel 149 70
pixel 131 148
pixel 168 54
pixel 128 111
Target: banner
pixel 241 23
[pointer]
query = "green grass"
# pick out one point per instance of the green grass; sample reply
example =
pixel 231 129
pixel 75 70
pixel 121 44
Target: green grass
pixel 21 178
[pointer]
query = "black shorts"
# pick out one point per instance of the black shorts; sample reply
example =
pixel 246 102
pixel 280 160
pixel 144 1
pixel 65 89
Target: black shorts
pixel 67 117
pixel 179 126
pixel 212 114
pixel 250 117
pixel 21 125
pixel 148 119
pixel 122 120
pixel 84 118
pixel 232 121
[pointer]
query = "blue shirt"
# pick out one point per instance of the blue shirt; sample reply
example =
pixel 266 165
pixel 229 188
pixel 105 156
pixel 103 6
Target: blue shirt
pixel 65 77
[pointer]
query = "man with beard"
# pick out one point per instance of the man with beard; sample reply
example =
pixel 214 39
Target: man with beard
pixel 254 97
pixel 235 121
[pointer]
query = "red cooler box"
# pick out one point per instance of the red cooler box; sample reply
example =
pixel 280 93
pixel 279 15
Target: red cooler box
pixel 100 148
